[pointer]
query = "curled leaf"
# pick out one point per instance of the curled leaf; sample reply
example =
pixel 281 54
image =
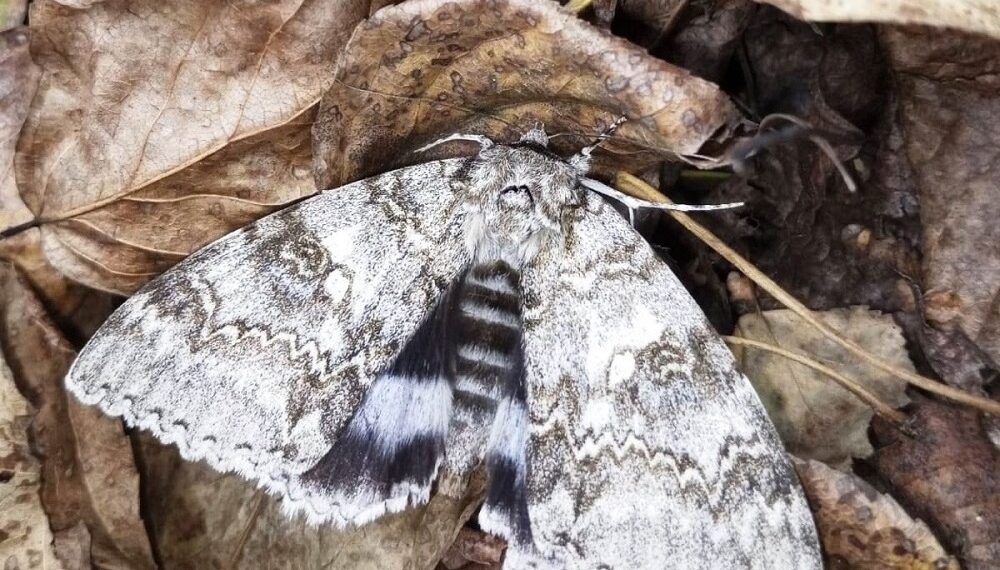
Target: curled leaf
pixel 159 126
pixel 88 472
pixel 420 70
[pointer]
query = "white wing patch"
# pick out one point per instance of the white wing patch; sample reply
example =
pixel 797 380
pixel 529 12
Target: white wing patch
pixel 397 409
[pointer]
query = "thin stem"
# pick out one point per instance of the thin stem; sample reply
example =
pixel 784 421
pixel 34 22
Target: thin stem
pixel 878 406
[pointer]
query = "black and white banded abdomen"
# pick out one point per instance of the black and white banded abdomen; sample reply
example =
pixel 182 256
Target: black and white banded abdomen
pixel 490 384
pixel 455 395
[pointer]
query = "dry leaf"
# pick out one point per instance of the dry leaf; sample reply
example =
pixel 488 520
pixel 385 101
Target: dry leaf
pixel 420 70
pixel 816 418
pixel 159 126
pixel 700 37
pixel 864 529
pixel 18 79
pixel 73 548
pixel 947 475
pixel 78 310
pixel 88 474
pixel 204 519
pixel 25 538
pixel 74 307
pixel 474 549
pixel 604 12
pixel 651 20
pixel 951 354
pixel 982 16
pixel 951 121
pixel 706 42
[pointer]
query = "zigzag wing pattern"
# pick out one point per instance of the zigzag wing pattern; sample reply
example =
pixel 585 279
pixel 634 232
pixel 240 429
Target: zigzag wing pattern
pixel 254 352
pixel 642 427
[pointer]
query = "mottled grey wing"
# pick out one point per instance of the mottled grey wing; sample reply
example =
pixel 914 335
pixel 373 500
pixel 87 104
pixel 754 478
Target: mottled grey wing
pixel 649 449
pixel 254 352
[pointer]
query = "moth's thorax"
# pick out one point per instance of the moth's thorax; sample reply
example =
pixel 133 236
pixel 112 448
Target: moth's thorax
pixel 517 196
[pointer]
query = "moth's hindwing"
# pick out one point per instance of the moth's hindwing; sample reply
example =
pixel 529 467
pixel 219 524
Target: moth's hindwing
pixel 647 444
pixel 254 352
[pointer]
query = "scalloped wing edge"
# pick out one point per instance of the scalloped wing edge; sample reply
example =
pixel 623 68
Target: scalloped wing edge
pixel 296 499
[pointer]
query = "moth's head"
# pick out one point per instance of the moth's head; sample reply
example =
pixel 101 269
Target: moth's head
pixel 519 195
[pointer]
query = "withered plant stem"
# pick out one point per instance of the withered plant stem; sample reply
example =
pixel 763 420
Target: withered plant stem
pixel 878 406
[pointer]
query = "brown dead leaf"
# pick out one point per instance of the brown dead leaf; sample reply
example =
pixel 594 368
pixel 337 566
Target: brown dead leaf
pixel 706 42
pixel 982 16
pixel 159 126
pixel 420 70
pixel 651 21
pixel 78 310
pixel 951 354
pixel 88 474
pixel 25 538
pixel 861 528
pixel 699 36
pixel 73 548
pixel 474 549
pixel 947 476
pixel 204 519
pixel 816 418
pixel 73 306
pixel 18 79
pixel 948 85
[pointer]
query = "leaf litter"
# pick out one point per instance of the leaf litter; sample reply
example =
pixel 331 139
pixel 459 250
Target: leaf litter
pixel 156 127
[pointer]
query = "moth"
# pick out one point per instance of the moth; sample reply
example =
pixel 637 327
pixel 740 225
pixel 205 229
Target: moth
pixel 489 310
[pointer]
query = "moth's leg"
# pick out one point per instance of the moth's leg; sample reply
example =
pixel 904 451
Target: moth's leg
pixel 395 443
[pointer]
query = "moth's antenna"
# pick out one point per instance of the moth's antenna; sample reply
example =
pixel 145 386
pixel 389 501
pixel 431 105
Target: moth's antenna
pixel 581 161
pixel 484 142
pixel 633 203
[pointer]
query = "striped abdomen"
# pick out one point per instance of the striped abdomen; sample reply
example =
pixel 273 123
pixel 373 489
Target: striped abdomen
pixel 454 393
pixel 490 391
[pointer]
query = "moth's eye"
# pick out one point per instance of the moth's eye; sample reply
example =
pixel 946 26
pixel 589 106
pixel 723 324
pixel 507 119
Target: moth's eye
pixel 518 196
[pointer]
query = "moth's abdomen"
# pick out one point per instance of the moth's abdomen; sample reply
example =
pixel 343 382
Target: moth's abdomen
pixel 485 337
pixel 388 455
pixel 454 393
pixel 487 330
pixel 489 395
